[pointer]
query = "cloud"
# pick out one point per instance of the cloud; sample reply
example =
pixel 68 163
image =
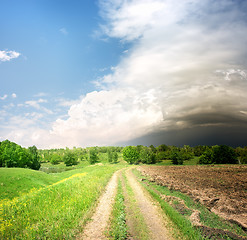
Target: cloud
pixel 186 69
pixel 14 95
pixel 4 97
pixel 63 31
pixel 8 55
pixel 185 72
pixel 36 104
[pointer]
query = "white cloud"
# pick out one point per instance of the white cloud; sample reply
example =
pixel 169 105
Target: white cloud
pixel 63 31
pixel 186 67
pixel 67 102
pixel 14 95
pixel 41 94
pixel 4 97
pixel 106 117
pixel 36 104
pixel 8 55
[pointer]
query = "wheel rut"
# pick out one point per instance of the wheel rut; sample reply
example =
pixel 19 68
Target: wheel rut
pixel 153 218
pixel 151 212
pixel 95 228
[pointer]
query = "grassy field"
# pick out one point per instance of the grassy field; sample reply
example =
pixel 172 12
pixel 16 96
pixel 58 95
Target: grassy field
pixel 59 203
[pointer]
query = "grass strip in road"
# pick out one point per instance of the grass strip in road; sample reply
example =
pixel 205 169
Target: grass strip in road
pixel 54 212
pixel 118 228
pixel 135 220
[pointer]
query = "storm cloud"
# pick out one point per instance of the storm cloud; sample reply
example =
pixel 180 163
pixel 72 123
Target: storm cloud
pixel 184 75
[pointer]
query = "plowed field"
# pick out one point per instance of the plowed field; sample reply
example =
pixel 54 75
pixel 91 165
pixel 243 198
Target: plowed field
pixel 222 189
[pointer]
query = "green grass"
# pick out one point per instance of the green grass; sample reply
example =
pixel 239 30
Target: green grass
pixel 118 228
pixel 193 161
pixel 16 181
pixel 55 211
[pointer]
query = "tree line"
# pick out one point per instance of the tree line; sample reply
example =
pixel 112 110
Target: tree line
pixel 218 154
pixel 13 155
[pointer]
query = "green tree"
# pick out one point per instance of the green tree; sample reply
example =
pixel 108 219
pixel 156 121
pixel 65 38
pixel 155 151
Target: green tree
pixel 242 154
pixel 207 157
pixel 35 158
pixel 55 159
pixel 69 158
pixel 147 156
pixel 115 157
pixel 109 155
pixel 176 157
pixel 93 155
pixel 131 154
pixel 224 155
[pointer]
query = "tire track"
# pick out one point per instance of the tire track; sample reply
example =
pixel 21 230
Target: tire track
pixel 152 213
pixel 95 228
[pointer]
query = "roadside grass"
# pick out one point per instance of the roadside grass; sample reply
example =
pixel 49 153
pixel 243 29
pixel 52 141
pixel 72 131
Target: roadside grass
pixel 133 213
pixel 118 228
pixel 57 211
pixel 184 225
pixel 207 218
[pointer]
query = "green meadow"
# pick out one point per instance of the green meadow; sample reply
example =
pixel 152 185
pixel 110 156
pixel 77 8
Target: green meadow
pixel 49 206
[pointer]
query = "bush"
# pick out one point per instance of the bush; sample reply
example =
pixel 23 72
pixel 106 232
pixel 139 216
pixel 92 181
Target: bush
pixel 131 154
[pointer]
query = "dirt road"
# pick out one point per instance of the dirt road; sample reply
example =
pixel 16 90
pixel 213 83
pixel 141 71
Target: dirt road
pixel 151 212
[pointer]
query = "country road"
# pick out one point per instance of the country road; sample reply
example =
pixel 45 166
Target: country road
pixel 151 213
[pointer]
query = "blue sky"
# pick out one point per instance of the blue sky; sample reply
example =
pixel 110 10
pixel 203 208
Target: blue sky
pixel 83 73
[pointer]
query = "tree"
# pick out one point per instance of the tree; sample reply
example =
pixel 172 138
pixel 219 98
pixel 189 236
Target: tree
pixel 93 155
pixel 147 155
pixel 219 155
pixel 176 157
pixel 115 157
pixel 55 159
pixel 13 155
pixel 242 154
pixel 35 159
pixel 131 154
pixel 207 157
pixel 224 155
pixel 69 159
pixel 109 155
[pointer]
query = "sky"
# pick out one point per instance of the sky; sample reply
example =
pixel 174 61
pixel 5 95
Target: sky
pixel 120 72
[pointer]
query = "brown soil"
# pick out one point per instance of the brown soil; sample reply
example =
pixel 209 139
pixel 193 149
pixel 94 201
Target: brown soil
pixel 222 189
pixel 151 212
pixel 96 227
